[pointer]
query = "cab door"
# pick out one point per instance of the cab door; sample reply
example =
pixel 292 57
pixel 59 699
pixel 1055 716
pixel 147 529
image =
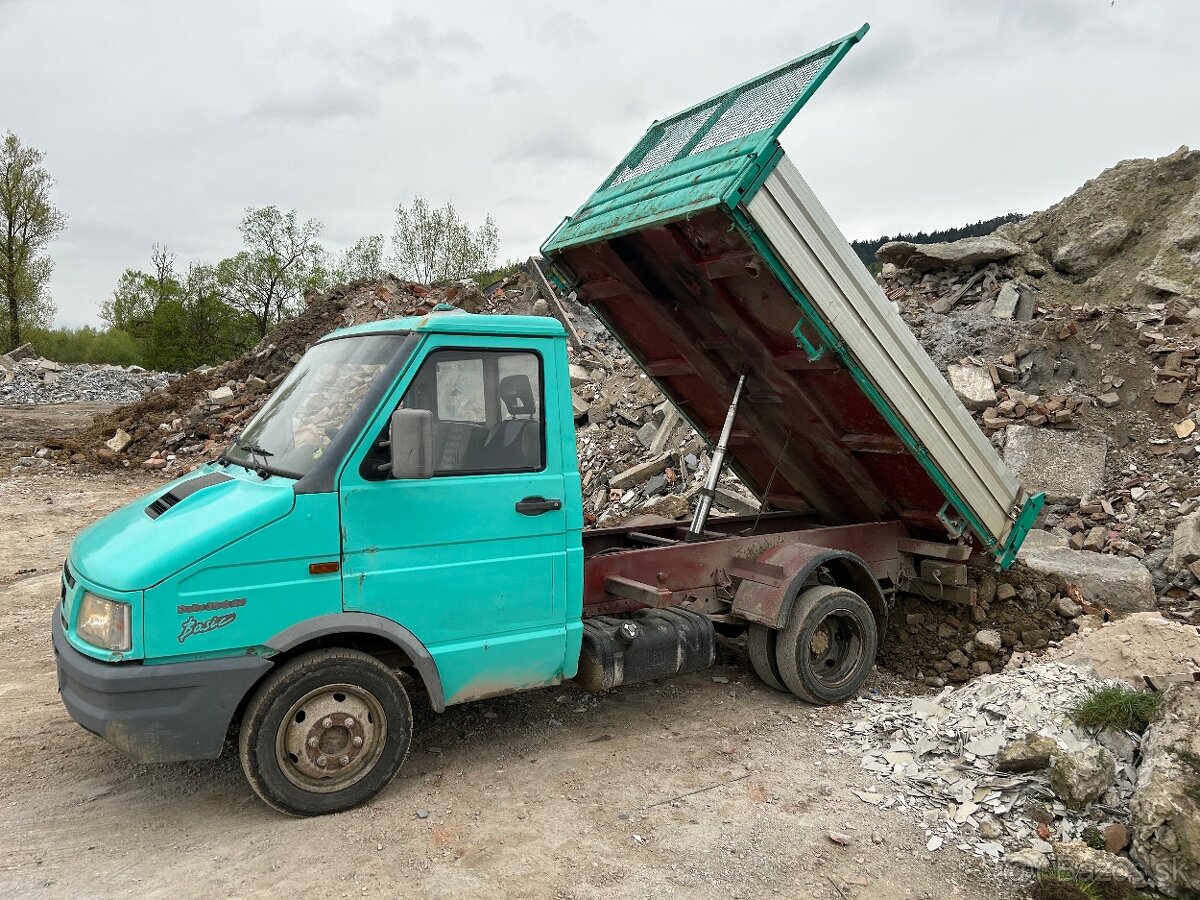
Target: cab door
pixel 472 560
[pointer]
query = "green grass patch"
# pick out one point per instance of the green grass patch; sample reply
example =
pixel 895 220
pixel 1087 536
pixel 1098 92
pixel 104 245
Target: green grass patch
pixel 1060 884
pixel 1117 707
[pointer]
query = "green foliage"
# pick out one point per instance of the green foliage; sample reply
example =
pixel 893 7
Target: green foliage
pixel 86 345
pixel 281 261
pixel 512 267
pixel 432 245
pixel 1061 884
pixel 215 312
pixel 28 222
pixel 177 323
pixel 1093 838
pixel 362 259
pixel 866 249
pixel 1114 706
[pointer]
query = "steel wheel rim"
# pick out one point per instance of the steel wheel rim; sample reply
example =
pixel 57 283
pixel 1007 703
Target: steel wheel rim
pixel 331 738
pixel 835 648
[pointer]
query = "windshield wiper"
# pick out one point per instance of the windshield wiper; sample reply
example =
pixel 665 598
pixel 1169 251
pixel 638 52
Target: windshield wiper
pixel 255 452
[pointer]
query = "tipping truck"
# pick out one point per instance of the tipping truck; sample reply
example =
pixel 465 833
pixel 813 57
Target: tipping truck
pixel 404 513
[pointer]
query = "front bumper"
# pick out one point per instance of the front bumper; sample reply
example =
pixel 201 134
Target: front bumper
pixel 155 714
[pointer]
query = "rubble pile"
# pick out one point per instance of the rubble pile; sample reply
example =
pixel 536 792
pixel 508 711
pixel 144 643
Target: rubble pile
pixel 637 456
pixel 997 767
pixel 26 378
pixel 935 643
pixel 196 416
pixel 1073 336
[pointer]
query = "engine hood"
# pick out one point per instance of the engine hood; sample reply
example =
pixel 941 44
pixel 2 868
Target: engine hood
pixel 159 534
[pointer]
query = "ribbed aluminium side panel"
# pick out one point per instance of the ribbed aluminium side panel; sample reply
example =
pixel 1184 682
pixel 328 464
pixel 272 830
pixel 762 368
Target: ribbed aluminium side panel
pixel 835 281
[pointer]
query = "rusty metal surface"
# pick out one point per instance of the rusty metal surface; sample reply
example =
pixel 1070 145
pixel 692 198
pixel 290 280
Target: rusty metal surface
pixel 768 604
pixel 670 574
pixel 696 307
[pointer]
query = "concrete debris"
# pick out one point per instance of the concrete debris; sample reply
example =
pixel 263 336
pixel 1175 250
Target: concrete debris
pixel 119 441
pixel 1166 809
pixel 1065 465
pixel 972 252
pixel 1084 256
pixel 26 379
pixel 1118 584
pixel 1031 753
pixel 973 386
pixel 938 758
pixel 1080 778
pixel 635 451
pixel 1185 544
pixel 1096 865
pixel 1007 301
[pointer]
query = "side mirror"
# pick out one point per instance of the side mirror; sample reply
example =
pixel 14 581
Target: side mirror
pixel 412 443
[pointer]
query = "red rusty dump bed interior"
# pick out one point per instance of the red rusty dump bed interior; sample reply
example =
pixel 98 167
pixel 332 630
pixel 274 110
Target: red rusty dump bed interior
pixel 695 306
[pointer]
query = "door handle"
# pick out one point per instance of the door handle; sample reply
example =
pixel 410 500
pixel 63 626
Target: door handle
pixel 535 506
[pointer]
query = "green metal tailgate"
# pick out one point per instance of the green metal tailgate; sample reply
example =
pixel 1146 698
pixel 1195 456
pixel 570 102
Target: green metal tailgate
pixel 709 154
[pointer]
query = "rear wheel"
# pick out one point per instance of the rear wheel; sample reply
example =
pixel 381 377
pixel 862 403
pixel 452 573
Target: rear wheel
pixel 325 732
pixel 760 641
pixel 828 646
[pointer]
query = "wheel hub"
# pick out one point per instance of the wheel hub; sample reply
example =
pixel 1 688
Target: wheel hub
pixel 335 742
pixel 331 737
pixel 834 648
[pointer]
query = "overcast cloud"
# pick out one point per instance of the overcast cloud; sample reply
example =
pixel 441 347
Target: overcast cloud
pixel 162 121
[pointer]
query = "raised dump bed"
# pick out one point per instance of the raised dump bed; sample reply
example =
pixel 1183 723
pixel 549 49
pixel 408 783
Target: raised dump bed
pixel 708 257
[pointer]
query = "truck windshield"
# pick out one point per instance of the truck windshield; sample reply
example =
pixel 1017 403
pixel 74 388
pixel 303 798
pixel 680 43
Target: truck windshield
pixel 290 433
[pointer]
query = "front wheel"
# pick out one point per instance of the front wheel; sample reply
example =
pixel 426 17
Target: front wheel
pixel 325 732
pixel 828 646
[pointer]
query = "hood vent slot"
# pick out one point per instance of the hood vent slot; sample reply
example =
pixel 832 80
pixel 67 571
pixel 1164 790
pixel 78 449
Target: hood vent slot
pixel 183 490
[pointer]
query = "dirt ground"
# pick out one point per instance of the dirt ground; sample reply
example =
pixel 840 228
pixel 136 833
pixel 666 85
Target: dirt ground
pixel 704 786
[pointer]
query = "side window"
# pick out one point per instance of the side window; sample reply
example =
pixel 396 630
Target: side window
pixel 487 412
pixel 460 390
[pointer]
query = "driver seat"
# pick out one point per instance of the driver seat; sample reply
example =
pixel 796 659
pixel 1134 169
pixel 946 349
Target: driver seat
pixel 515 442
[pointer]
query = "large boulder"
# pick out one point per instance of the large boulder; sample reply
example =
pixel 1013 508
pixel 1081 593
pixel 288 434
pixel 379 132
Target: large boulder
pixel 1174 269
pixel 1165 810
pixel 1096 865
pixel 1031 753
pixel 1084 256
pixel 1066 465
pixel 1080 777
pixel 967 253
pixel 1121 584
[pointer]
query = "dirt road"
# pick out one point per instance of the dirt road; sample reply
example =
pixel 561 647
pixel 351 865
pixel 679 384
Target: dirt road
pixel 551 794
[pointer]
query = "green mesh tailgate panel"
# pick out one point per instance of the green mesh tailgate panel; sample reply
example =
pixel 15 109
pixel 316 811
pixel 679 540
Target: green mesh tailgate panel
pixel 710 153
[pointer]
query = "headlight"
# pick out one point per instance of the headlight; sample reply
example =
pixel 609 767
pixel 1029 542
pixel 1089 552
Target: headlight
pixel 103 623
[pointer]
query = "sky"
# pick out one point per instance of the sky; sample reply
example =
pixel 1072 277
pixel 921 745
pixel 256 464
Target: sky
pixel 162 121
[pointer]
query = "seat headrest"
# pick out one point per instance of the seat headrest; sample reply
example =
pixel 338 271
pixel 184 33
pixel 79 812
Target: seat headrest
pixel 517 394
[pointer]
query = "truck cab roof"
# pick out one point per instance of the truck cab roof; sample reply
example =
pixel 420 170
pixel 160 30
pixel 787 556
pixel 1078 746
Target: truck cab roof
pixel 451 320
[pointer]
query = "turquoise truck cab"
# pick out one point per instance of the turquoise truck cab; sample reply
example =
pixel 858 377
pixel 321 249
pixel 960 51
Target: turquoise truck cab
pixel 468 574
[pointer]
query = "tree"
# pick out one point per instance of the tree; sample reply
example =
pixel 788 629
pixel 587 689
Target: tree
pixel 28 222
pixel 138 295
pixel 362 259
pixel 436 245
pixel 281 261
